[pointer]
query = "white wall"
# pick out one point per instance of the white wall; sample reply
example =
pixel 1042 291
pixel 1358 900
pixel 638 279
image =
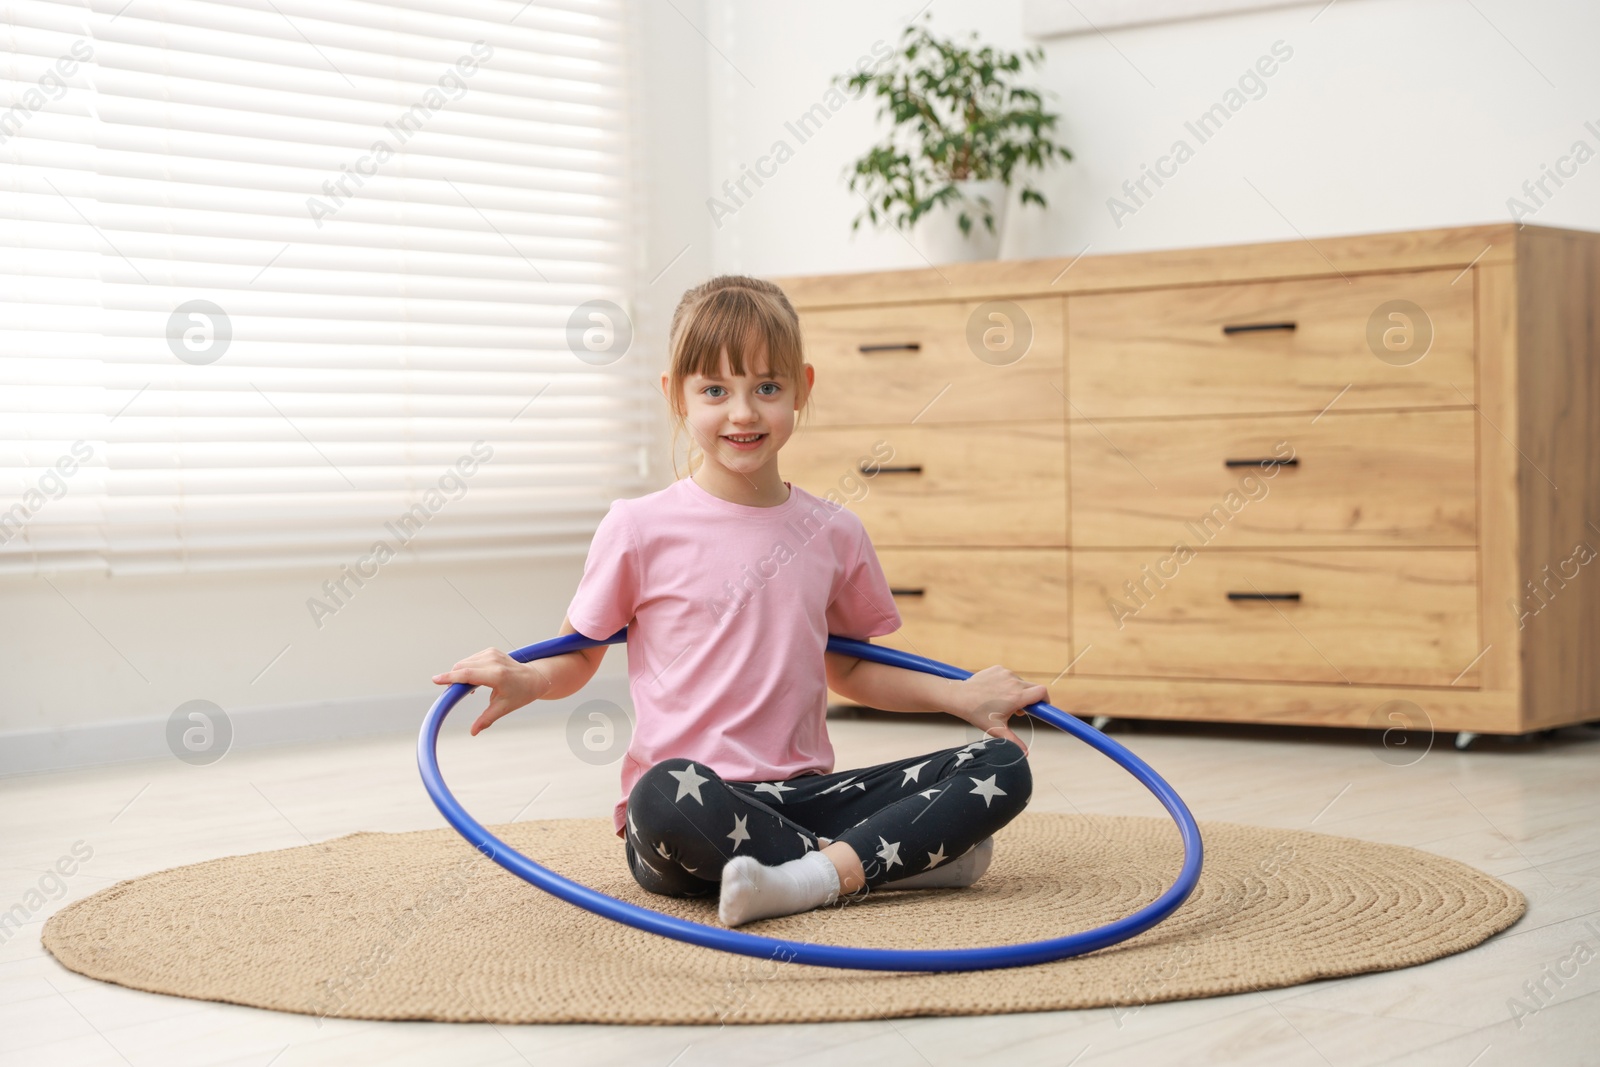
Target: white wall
pixel 93 667
pixel 1390 114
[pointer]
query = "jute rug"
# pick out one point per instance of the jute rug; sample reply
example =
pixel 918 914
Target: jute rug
pixel 420 926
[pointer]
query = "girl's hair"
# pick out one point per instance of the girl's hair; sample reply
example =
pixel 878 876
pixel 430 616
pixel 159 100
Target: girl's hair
pixel 733 312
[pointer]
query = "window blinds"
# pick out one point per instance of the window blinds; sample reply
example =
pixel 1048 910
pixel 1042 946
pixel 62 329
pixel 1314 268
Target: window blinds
pixel 284 282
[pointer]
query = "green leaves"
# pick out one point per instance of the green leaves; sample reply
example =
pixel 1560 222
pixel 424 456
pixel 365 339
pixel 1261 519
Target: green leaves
pixel 956 116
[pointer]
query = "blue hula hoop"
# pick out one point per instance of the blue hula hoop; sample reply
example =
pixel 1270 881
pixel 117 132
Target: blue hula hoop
pixel 871 959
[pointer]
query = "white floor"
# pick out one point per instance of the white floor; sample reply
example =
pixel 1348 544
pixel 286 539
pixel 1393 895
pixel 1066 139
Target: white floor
pixel 1526 813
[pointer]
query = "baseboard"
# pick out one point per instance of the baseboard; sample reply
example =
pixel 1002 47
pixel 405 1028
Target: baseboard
pixel 98 744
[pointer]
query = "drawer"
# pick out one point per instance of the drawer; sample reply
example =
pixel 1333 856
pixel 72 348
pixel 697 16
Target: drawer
pixel 1225 349
pixel 1363 616
pixel 995 485
pixel 1379 479
pixel 973 607
pixel 904 362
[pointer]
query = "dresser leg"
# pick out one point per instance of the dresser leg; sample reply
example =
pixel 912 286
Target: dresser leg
pixel 1464 740
pixel 1100 722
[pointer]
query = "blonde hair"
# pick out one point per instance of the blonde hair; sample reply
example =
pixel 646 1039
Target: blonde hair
pixel 731 312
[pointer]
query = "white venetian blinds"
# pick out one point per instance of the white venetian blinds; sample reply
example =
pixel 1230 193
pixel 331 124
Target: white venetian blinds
pixel 270 272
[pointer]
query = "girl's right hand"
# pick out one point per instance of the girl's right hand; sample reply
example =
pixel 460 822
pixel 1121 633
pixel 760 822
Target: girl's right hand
pixel 514 684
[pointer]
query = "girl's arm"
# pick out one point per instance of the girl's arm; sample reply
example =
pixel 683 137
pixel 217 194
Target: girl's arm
pixel 987 700
pixel 517 684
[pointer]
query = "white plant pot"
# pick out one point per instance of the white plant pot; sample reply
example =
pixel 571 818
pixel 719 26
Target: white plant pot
pixel 938 233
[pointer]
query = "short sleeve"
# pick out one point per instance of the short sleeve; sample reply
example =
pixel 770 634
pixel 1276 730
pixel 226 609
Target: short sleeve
pixel 608 593
pixel 862 605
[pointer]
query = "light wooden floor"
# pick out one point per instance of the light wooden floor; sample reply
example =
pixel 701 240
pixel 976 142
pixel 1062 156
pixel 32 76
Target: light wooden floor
pixel 1526 814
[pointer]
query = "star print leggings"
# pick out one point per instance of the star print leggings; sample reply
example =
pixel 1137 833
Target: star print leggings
pixel 901 818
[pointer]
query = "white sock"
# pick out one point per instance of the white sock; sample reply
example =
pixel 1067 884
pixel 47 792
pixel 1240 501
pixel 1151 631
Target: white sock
pixel 956 874
pixel 751 890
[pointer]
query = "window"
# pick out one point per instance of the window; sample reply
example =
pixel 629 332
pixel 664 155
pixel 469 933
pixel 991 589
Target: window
pixel 282 282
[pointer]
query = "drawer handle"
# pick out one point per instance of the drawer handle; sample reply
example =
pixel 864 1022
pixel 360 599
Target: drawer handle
pixel 1263 596
pixel 1254 327
pixel 905 592
pixel 1295 462
pixel 914 468
pixel 909 346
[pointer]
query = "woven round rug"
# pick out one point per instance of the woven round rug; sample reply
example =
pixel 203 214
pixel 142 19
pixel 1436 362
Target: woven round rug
pixel 421 926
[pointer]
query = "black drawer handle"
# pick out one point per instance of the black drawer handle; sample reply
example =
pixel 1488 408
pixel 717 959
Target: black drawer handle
pixel 914 468
pixel 1295 462
pixel 909 346
pixel 1255 327
pixel 1263 596
pixel 905 592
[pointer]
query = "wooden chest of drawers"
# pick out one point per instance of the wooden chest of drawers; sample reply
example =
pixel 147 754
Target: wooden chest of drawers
pixel 1350 482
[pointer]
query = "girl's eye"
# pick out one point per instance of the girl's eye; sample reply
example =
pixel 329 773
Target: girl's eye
pixel 776 387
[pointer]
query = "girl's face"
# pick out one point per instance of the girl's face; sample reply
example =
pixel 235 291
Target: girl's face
pixel 721 407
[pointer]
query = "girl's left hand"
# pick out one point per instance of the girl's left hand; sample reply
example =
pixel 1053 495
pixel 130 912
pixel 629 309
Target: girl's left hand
pixel 994 695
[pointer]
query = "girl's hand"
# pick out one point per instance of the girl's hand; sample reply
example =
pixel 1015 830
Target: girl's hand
pixel 994 695
pixel 514 684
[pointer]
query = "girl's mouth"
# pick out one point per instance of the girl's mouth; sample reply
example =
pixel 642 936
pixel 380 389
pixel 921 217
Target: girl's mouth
pixel 750 442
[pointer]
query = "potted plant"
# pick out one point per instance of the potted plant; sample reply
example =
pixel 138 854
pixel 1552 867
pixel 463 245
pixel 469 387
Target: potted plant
pixel 961 127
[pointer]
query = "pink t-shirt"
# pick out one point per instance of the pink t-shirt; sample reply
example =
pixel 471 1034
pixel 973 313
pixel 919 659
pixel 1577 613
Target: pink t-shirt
pixel 729 608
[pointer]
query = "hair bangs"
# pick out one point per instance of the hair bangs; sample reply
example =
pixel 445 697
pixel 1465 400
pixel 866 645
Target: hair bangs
pixel 741 322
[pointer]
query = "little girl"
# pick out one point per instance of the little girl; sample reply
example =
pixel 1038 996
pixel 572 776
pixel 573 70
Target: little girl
pixel 729 582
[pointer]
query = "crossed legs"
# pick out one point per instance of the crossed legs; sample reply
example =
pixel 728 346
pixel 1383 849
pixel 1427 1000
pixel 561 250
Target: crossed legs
pixel 876 826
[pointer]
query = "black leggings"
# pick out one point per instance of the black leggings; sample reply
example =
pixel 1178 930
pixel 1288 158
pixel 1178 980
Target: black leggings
pixel 901 818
